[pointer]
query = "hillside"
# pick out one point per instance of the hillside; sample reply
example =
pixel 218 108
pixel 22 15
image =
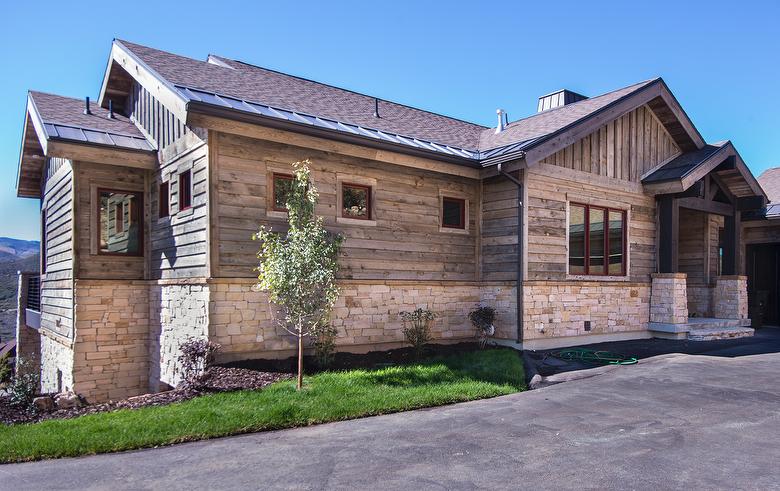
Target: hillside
pixel 15 255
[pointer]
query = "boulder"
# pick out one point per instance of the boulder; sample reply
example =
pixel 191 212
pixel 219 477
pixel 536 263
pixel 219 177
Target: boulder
pixel 67 400
pixel 44 404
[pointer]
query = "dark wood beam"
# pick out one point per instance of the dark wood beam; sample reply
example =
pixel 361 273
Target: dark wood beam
pixel 749 203
pixel 731 240
pixel 700 204
pixel 668 235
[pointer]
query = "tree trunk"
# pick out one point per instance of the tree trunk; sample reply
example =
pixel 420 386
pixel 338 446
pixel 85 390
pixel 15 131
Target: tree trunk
pixel 300 357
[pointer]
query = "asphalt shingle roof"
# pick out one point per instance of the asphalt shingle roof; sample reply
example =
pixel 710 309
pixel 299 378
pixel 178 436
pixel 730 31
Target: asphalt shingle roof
pixel 770 182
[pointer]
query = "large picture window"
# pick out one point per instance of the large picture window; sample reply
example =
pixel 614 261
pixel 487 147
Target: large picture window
pixel 597 240
pixel 120 225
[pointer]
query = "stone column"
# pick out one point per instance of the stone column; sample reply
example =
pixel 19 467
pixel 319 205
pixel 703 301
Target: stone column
pixel 669 298
pixel 28 340
pixel 729 297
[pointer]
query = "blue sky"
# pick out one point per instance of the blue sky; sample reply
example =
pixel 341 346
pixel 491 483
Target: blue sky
pixel 721 59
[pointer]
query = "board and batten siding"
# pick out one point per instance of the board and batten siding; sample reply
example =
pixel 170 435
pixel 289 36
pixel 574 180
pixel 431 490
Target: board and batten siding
pixel 159 124
pixel 625 148
pixel 405 242
pixel 57 280
pixel 89 178
pixel 551 189
pixel 498 233
pixel 179 242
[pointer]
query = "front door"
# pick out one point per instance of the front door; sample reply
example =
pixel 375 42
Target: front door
pixel 763 261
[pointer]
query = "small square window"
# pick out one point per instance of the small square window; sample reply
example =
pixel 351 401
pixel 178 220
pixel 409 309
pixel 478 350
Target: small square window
pixel 356 201
pixel 282 185
pixel 163 199
pixel 185 190
pixel 453 213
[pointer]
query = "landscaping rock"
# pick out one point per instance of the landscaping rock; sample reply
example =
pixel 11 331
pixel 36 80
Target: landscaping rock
pixel 67 400
pixel 44 404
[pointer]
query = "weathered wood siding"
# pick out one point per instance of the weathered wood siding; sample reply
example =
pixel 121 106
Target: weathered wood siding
pixel 57 281
pixel 405 242
pixel 90 177
pixel 626 148
pixel 160 125
pixel 692 251
pixel 498 236
pixel 179 242
pixel 551 188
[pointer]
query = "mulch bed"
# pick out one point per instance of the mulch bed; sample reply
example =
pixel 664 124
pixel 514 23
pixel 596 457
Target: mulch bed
pixel 216 379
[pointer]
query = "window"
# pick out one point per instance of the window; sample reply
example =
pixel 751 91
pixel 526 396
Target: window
pixel 453 213
pixel 163 200
pixel 120 225
pixel 185 190
pixel 282 185
pixel 597 240
pixel 356 201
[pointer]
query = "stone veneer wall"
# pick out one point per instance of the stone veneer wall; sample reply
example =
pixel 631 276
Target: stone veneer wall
pixel 699 300
pixel 556 309
pixel 729 297
pixel 669 298
pixel 178 311
pixel 367 313
pixel 56 363
pixel 111 349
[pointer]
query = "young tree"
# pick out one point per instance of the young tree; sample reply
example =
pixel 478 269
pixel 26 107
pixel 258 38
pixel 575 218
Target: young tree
pixel 298 269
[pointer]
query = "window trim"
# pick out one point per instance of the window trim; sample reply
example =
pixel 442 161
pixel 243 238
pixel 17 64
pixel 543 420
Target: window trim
pixel 182 188
pixel 369 200
pixel 463 202
pixel 281 175
pixel 96 233
pixel 624 246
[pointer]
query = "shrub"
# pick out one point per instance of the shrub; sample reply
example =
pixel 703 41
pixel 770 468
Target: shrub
pixel 5 369
pixel 325 345
pixel 482 318
pixel 417 328
pixel 25 384
pixel 195 356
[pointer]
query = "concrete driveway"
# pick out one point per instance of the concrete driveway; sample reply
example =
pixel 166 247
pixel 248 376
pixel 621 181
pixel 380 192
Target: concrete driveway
pixel 672 422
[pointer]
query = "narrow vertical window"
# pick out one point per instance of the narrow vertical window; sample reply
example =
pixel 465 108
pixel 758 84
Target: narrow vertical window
pixel 597 240
pixel 185 190
pixel 356 201
pixel 282 184
pixel 163 199
pixel 453 213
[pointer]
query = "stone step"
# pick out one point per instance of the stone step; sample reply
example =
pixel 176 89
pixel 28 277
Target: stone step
pixel 709 323
pixel 714 333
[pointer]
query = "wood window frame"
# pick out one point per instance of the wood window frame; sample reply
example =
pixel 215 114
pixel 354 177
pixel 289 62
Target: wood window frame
pixel 624 246
pixel 185 190
pixel 369 189
pixel 139 209
pixel 274 176
pixel 463 203
pixel 164 205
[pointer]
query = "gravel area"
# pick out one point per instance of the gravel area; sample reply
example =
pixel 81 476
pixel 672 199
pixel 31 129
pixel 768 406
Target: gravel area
pixel 216 379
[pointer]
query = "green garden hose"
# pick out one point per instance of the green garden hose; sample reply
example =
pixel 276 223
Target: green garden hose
pixel 594 357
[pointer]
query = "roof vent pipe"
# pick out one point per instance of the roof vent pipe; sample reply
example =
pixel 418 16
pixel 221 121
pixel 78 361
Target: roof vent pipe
pixel 376 107
pixel 110 109
pixel 501 123
pixel 86 107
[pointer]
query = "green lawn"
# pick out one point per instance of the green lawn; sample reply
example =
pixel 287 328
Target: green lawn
pixel 328 396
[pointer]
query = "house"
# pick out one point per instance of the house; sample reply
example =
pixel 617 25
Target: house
pixel 597 218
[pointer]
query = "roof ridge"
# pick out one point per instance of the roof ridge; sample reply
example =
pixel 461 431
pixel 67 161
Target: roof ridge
pixel 258 67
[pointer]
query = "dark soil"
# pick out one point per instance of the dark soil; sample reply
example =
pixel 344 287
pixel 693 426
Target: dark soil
pixel 216 379
pixel 348 361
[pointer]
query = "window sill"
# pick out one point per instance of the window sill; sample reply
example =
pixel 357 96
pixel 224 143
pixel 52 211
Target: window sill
pixel 355 221
pixel 276 214
pixel 449 230
pixel 591 277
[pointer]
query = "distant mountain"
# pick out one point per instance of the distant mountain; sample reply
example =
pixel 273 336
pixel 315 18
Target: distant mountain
pixel 17 248
pixel 15 255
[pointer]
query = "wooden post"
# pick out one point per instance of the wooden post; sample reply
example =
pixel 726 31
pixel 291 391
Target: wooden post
pixel 731 241
pixel 668 234
pixel 300 357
